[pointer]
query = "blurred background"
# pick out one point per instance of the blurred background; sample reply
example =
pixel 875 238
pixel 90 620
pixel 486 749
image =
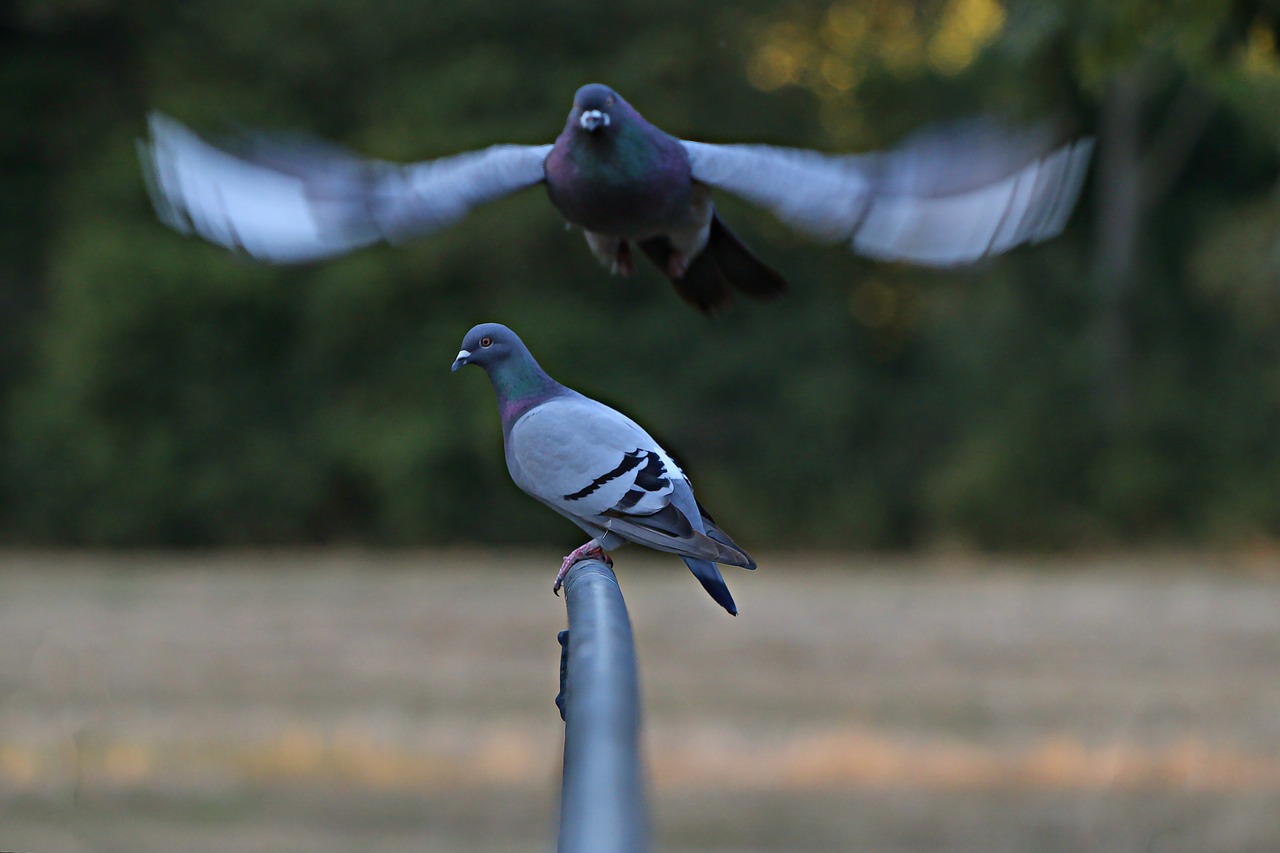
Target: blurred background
pixel 894 443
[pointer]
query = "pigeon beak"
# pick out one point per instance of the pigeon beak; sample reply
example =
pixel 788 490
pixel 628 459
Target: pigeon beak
pixel 460 361
pixel 593 120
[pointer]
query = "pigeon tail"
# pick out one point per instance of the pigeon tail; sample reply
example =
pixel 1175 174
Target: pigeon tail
pixel 744 270
pixel 709 576
pixel 728 552
pixel 724 265
pixel 731 553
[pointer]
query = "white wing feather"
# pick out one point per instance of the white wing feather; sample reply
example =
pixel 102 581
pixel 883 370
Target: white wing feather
pixel 944 197
pixel 575 446
pixel 293 201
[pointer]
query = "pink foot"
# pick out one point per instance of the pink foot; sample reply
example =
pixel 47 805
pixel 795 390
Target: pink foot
pixel 623 263
pixel 677 265
pixel 582 552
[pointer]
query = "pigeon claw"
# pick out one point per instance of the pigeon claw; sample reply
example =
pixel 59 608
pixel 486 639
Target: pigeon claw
pixel 677 265
pixel 589 551
pixel 623 263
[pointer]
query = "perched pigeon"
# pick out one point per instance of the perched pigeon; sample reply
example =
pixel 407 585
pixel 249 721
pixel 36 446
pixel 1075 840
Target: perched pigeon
pixel 596 466
pixel 944 197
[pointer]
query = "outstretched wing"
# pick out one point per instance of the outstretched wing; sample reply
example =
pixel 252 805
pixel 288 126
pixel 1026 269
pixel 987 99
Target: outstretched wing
pixel 599 468
pixel 288 200
pixel 944 197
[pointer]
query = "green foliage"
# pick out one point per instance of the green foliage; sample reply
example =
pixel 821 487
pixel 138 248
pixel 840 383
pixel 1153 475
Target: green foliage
pixel 156 390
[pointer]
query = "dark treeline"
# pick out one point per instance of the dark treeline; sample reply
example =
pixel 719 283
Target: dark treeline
pixel 1118 385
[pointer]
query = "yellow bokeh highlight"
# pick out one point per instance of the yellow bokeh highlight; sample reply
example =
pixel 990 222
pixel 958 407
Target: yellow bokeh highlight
pixel 771 68
pixel 840 74
pixel 845 25
pixel 967 26
pixel 899 43
pixel 781 59
pixel 1260 56
pixel 832 54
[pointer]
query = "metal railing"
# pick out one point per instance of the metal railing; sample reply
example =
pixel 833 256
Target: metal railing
pixel 602 796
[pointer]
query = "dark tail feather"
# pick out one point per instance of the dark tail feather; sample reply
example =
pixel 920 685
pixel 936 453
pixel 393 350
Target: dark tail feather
pixel 712 276
pixel 740 265
pixel 703 285
pixel 731 553
pixel 709 576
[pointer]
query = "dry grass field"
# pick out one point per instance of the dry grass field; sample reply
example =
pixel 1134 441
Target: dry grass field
pixel 340 701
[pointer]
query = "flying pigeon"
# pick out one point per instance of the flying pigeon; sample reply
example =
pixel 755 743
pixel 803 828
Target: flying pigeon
pixel 944 197
pixel 596 466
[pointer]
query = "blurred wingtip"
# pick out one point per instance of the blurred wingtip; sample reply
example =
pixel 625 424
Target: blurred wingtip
pixel 256 208
pixel 949 200
pixel 151 160
pixel 1078 155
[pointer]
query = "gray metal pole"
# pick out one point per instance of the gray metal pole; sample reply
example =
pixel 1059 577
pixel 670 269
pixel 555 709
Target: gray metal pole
pixel 602 797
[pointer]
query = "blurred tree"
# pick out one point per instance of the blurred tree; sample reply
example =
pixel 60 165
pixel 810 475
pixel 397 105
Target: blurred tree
pixel 1184 102
pixel 1118 384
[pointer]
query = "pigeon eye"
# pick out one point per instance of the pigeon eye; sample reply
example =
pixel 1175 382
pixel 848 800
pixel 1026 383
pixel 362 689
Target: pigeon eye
pixel 608 102
pixel 486 342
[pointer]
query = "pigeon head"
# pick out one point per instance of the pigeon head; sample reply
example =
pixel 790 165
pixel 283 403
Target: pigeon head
pixel 596 109
pixel 516 377
pixel 490 345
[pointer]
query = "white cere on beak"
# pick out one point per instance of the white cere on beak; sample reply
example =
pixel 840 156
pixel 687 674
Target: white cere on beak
pixel 462 353
pixel 592 119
